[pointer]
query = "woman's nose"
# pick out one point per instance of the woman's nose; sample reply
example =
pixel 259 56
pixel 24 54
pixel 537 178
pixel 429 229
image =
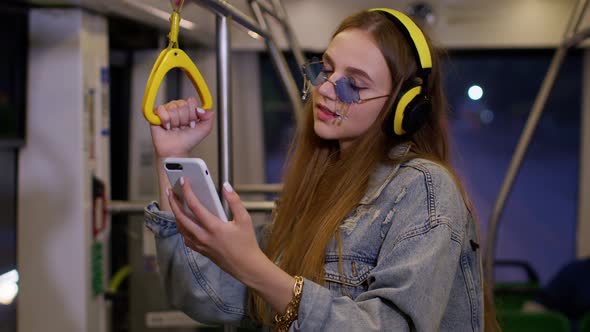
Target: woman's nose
pixel 327 88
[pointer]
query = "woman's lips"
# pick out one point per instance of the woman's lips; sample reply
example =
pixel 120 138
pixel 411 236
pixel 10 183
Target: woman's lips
pixel 324 114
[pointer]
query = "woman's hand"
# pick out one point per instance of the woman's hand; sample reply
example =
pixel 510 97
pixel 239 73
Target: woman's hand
pixel 184 125
pixel 231 245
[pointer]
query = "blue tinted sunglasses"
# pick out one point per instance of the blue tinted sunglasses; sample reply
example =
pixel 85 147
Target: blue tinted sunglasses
pixel 316 74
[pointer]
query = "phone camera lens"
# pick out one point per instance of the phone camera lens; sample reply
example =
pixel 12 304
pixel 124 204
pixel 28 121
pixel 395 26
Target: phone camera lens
pixel 174 166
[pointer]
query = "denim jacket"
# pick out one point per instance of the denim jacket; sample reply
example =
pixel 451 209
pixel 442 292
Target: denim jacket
pixel 410 263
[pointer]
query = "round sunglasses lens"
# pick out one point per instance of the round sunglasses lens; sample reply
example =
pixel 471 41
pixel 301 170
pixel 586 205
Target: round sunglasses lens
pixel 314 73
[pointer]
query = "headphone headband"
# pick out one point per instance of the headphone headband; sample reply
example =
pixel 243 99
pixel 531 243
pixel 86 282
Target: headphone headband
pixel 412 106
pixel 413 32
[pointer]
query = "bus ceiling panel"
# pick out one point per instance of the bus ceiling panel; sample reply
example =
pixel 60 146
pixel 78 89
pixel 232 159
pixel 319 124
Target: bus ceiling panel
pixel 455 24
pixel 197 25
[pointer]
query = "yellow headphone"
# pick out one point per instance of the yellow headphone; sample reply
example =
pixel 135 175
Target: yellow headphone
pixel 412 107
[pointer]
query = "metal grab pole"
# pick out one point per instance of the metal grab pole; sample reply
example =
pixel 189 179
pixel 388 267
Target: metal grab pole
pixel 138 207
pixel 578 38
pixel 266 188
pixel 224 106
pixel 297 52
pixel 280 64
pixel 224 8
pixel 224 103
pixel 270 11
pixel 278 13
pixel 524 141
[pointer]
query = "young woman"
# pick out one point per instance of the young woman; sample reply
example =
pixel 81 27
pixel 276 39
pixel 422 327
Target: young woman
pixel 373 231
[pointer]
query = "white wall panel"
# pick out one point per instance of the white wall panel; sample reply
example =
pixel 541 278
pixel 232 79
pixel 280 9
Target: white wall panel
pixel 67 50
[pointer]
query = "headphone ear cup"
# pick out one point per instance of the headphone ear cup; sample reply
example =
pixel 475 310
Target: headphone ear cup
pixel 416 114
pixel 409 112
pixel 393 125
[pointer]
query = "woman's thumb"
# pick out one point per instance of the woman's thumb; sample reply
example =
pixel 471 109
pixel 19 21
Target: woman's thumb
pixel 235 203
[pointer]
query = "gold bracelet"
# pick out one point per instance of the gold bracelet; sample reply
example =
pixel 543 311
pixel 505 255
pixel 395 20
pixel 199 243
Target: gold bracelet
pixel 284 321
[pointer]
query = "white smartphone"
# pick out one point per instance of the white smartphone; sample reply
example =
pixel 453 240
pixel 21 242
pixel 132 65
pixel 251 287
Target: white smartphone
pixel 195 170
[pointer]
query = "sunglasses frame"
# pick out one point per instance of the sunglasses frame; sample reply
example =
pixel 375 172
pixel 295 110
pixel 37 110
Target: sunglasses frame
pixel 325 79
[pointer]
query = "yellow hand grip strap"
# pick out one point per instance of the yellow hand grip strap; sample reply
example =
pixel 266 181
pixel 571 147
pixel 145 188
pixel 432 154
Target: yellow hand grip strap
pixel 168 59
pixel 173 57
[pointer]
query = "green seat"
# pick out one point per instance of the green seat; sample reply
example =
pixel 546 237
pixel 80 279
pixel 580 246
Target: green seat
pixel 514 321
pixel 585 323
pixel 512 296
pixel 519 285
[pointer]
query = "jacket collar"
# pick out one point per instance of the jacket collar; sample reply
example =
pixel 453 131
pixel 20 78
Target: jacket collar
pixel 384 173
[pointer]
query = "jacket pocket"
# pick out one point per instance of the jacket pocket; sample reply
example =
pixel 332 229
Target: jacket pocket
pixel 351 279
pixel 471 269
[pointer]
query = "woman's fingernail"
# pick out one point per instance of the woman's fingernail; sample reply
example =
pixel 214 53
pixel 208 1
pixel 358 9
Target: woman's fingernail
pixel 228 187
pixel 182 180
pixel 200 110
pixel 168 126
pixel 193 124
pixel 168 192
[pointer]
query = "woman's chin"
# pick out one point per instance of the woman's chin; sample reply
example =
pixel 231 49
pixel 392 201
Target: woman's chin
pixel 324 130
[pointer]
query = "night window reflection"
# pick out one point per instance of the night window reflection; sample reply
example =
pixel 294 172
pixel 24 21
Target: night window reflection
pixel 490 95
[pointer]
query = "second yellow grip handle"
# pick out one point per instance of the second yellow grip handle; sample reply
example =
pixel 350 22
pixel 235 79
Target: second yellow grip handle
pixel 168 59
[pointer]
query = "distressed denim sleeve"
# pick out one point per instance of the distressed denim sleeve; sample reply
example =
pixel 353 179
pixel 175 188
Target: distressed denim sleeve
pixel 408 288
pixel 192 282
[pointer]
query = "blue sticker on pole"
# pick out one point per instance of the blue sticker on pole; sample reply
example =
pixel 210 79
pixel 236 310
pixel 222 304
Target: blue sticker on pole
pixel 104 75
